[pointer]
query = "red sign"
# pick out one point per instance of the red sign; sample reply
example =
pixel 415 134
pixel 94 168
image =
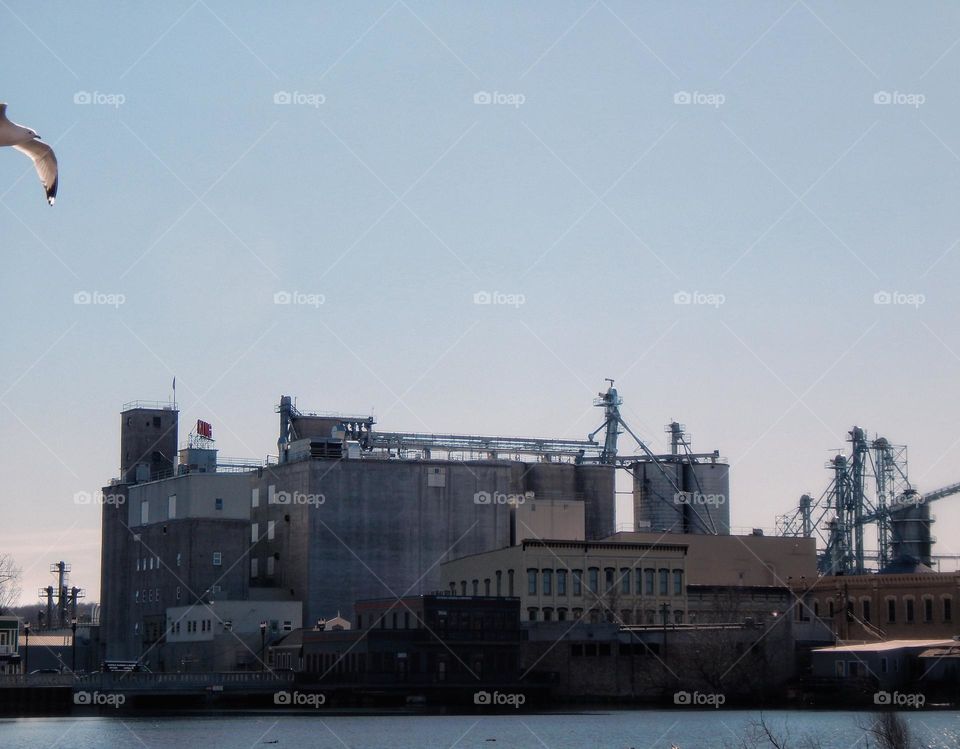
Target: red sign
pixel 205 429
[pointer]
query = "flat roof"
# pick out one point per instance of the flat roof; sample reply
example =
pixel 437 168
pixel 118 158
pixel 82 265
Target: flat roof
pixel 884 646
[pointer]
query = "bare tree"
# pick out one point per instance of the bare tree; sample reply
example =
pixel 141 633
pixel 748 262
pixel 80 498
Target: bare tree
pixel 9 582
pixel 890 731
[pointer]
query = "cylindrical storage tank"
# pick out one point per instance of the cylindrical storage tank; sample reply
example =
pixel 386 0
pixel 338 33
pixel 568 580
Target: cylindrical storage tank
pixel 656 506
pixel 707 486
pixel 910 533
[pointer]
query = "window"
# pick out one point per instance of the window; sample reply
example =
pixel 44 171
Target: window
pixel 172 507
pixel 947 609
pixel 865 610
pixel 499 583
pixel 561 615
pixel 178 592
pixel 510 582
pixel 625 616
pixel 648 581
pixel 609 575
pixel 928 610
pixel 531 583
pixel 270 564
pixel 254 532
pixel 151 562
pixel 270 530
pixel 548 582
pixel 578 582
pixel 664 581
pixel 217 559
pixel 561 582
pixel 891 610
pixel 463 587
pixel 593 579
pixel 532 615
pixel 625 580
pixel 144 512
pixel 678 617
pixel 909 607
pixel 136 596
pixel 486 586
pixel 548 615
pixel 218 503
pixel 138 564
pixel 255 497
pixel 476 587
pixel 678 582
pixel 178 559
pixel 254 567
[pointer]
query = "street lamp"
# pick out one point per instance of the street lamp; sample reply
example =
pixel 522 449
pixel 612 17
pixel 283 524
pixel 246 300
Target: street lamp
pixel 73 646
pixel 263 643
pixel 26 648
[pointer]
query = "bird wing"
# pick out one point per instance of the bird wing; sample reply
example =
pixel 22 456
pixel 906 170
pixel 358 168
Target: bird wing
pixel 45 162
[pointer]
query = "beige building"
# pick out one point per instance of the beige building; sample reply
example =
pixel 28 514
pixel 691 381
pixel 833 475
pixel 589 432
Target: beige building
pixel 613 580
pixel 884 607
pixel 739 560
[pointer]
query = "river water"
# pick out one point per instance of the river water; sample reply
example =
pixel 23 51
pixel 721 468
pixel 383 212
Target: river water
pixel 620 729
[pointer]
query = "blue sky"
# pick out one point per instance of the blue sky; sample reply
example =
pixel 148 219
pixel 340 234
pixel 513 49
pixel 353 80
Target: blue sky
pixel 790 160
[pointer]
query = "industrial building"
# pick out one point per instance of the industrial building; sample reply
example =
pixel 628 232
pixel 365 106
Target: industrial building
pixel 347 511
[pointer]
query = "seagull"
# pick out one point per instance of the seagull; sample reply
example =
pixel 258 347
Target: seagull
pixel 27 141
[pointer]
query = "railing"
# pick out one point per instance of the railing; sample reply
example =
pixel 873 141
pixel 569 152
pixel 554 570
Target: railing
pixel 144 680
pixel 154 405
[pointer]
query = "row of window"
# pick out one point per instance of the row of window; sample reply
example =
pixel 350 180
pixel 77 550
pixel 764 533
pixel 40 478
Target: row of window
pixel 928 609
pixel 255 566
pixel 171 508
pixel 549 582
pixel 149 563
pixel 255 531
pixel 595 616
pixel 150 595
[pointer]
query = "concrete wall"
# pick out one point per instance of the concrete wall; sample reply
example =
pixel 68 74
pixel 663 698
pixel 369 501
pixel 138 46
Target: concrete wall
pixel 549 519
pixel 196 495
pixel 352 529
pixel 740 560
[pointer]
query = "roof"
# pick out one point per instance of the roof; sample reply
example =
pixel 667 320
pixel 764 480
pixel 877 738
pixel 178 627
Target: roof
pixel 951 651
pixel 884 646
